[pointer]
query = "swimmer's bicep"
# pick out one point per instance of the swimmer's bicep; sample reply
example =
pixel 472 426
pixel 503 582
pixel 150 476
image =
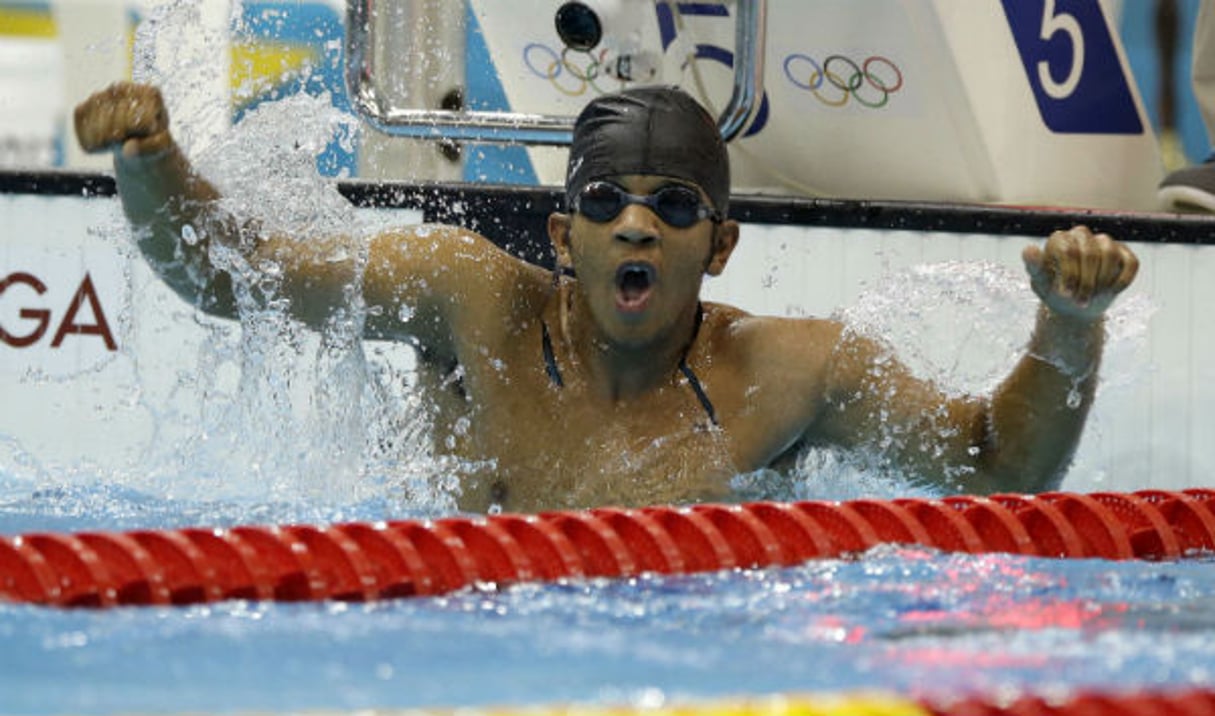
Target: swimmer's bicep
pixel 313 276
pixel 874 400
pixel 422 282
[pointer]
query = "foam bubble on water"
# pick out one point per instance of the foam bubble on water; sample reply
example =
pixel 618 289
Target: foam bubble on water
pixel 828 474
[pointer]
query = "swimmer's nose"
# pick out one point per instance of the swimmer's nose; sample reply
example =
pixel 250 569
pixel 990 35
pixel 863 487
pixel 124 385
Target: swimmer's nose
pixel 636 225
pixel 640 238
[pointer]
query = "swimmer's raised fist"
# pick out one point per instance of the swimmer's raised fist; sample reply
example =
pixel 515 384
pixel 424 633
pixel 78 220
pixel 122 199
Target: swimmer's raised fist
pixel 124 115
pixel 1078 273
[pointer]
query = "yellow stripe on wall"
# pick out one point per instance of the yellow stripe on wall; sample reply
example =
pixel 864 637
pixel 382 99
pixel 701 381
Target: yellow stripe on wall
pixel 258 67
pixel 27 22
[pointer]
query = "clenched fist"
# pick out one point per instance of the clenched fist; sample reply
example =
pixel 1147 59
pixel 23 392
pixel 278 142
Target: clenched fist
pixel 124 115
pixel 1078 273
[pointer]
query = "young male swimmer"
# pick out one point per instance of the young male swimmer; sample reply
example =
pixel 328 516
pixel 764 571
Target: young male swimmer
pixel 609 381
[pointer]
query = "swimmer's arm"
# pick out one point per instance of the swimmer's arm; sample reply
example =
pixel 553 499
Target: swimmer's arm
pixel 161 193
pixel 417 283
pixel 1037 414
pixel 166 200
pixel 1021 438
pixel 1035 418
pixel 181 226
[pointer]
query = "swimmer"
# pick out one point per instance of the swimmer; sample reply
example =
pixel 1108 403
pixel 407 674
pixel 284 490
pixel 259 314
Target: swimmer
pixel 608 381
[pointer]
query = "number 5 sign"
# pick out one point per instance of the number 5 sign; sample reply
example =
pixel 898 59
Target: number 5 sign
pixel 1072 66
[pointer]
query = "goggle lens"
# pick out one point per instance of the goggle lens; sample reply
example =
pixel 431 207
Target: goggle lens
pixel 678 206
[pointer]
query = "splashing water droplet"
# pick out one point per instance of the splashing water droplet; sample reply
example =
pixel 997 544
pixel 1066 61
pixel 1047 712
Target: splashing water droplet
pixel 1074 398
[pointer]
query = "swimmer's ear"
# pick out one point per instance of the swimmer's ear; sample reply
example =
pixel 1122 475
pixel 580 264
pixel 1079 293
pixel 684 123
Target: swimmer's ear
pixel 725 238
pixel 559 235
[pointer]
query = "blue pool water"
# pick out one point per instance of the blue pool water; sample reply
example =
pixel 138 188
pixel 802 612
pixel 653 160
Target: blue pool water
pixel 906 619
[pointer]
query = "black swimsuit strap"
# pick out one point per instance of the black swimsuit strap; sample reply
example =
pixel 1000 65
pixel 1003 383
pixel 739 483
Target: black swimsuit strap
pixel 554 372
pixel 550 360
pixel 686 369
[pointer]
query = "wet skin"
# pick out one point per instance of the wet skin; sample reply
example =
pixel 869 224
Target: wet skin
pixel 626 428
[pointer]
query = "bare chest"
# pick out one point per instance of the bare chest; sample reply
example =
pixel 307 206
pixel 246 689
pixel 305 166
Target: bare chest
pixel 540 445
pixel 552 446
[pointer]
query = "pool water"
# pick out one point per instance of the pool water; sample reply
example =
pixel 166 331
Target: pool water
pixel 905 619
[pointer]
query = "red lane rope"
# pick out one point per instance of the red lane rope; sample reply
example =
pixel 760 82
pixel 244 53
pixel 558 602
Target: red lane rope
pixel 1190 702
pixel 358 561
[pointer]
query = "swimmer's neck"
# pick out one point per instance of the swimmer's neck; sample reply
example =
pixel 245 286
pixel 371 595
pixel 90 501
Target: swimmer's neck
pixel 616 371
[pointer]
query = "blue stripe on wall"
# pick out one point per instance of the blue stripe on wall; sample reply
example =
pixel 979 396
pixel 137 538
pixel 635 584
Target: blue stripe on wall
pixel 493 163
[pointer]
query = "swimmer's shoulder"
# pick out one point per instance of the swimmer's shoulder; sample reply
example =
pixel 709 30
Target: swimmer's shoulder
pixel 454 255
pixel 774 370
pixel 446 243
pixel 448 281
pixel 794 353
pixel 735 328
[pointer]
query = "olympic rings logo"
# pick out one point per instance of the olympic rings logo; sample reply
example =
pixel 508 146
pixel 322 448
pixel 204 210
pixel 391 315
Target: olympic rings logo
pixel 870 83
pixel 560 69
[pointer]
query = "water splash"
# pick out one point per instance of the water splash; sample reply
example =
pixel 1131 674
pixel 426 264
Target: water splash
pixel 962 326
pixel 289 414
pixel 265 420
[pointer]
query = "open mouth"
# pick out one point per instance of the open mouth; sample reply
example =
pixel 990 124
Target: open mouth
pixel 634 283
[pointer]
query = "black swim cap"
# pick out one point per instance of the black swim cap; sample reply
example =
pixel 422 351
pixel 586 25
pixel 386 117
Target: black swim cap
pixel 649 130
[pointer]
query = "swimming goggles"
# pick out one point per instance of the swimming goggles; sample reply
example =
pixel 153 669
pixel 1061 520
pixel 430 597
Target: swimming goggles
pixel 679 206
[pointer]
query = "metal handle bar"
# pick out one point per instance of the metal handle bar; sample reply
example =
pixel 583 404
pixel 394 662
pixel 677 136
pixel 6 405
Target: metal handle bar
pixel 523 128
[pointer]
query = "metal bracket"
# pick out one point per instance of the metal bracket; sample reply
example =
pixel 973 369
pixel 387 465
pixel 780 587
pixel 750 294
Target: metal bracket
pixel 521 128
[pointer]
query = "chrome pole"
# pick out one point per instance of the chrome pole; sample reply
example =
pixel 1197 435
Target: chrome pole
pixel 524 128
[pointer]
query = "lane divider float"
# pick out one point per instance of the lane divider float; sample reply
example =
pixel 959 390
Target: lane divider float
pixel 368 561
